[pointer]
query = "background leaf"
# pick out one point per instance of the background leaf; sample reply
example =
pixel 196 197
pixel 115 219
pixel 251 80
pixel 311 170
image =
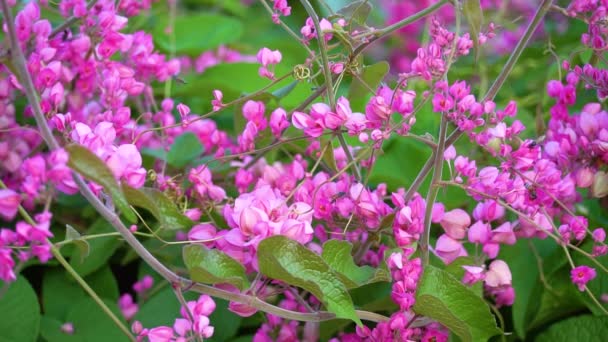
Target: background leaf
pixel 186 148
pixel 284 259
pixel 20 313
pixel 101 249
pixel 197 33
pixel 92 324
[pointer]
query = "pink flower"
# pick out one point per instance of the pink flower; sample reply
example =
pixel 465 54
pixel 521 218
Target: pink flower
pixel 449 249
pixel 581 275
pixel 455 222
pixel 160 334
pixel 127 307
pixel 498 274
pixel 9 203
pixel 473 274
pixel 278 122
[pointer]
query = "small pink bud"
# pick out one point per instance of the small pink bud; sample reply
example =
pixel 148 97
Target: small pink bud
pixel 67 328
pixel 498 274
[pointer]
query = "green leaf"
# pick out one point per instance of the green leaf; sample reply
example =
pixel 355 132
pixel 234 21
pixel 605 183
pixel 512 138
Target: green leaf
pixel 50 330
pixel 92 324
pixel 159 205
pixel 57 290
pixel 85 162
pixel 101 249
pixel 526 276
pixel 212 266
pixel 371 75
pixel 197 33
pixel 446 300
pixel 161 309
pixel 184 150
pixel 473 14
pixel 337 254
pixel 104 283
pixel 72 235
pixel 356 11
pixel 559 301
pixel 582 328
pixel 287 260
pixel 20 313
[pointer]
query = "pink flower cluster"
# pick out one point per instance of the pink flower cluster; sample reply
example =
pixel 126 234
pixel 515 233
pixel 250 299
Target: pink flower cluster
pixel 194 322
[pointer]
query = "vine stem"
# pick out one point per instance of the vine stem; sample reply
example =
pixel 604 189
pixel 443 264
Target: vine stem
pixel 329 80
pixel 111 217
pixel 433 190
pixel 400 24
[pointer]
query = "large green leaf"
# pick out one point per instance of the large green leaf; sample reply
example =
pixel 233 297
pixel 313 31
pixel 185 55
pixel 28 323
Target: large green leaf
pixel 582 328
pixel 287 260
pixel 50 330
pixel 57 290
pixel 195 34
pixel 337 254
pixel 212 266
pixel 184 150
pixel 92 324
pixel 159 205
pixel 85 162
pixel 101 249
pixel 446 300
pixel 20 313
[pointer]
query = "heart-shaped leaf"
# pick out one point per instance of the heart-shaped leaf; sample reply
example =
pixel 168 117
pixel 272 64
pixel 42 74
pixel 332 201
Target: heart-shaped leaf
pixel 287 260
pixel 337 254
pixel 445 299
pixel 85 162
pixel 211 266
pixel 159 205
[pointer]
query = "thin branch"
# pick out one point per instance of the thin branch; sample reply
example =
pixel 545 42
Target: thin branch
pixel 69 21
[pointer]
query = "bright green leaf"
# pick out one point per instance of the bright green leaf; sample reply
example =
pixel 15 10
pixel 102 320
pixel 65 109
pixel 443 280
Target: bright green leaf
pixel 446 300
pixel 20 313
pixel 582 328
pixel 184 150
pixel 337 254
pixel 85 162
pixel 284 259
pixel 195 34
pixel 159 205
pixel 212 266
